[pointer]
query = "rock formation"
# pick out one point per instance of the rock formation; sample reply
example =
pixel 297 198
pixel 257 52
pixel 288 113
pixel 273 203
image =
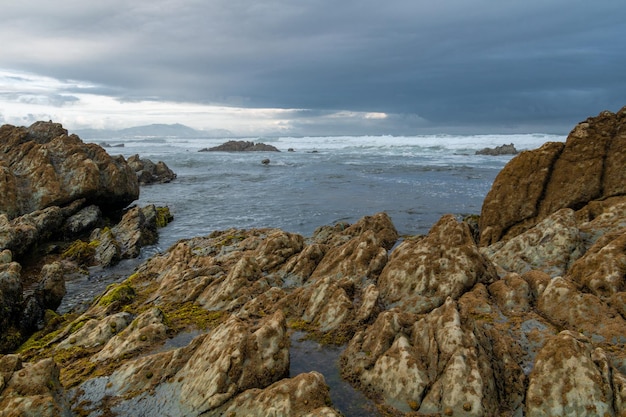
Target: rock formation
pixel 531 321
pixel 588 167
pixel 41 166
pixel 241 146
pixel 499 150
pixel 55 191
pixel 150 173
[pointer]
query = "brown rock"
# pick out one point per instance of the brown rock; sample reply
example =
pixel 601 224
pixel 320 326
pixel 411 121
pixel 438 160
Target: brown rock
pixel 430 366
pixel 150 173
pixel 602 270
pixel 54 169
pixel 535 184
pixel 303 395
pixel 550 246
pixel 571 378
pixel 34 389
pixel 564 305
pixel 422 273
pixel 516 191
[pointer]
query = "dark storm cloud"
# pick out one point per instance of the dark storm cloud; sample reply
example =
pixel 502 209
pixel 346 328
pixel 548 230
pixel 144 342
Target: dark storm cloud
pixel 447 63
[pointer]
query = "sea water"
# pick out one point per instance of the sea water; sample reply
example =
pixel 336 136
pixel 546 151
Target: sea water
pixel 316 181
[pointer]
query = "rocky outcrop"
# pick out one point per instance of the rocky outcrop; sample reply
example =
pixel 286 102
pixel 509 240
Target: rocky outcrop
pixel 498 150
pixel 150 173
pixel 55 191
pixel 42 166
pixel 241 146
pixel 588 167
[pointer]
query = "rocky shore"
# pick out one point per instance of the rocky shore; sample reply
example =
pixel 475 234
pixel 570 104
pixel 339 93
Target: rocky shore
pixel 520 312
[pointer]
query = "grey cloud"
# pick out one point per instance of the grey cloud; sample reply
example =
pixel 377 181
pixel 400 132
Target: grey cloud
pixel 451 63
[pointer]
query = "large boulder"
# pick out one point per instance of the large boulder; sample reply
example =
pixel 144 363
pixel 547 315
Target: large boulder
pixel 588 166
pixel 42 166
pixel 150 173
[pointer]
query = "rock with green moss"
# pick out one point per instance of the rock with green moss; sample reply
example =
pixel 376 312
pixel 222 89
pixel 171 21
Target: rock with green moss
pixel 32 389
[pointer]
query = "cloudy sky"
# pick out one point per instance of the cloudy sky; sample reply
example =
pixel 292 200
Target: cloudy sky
pixel 313 67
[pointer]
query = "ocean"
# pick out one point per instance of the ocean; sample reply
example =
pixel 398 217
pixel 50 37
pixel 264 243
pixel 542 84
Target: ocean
pixel 323 180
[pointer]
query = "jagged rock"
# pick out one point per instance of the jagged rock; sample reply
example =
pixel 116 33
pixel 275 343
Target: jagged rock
pixel 551 246
pixel 422 273
pixel 150 173
pixel 94 332
pixel 241 146
pixel 571 378
pixel 601 218
pixel 34 390
pixel 85 220
pixel 51 287
pixel 512 293
pixel 54 169
pixel 602 270
pixel 22 233
pixel 562 303
pixel 498 150
pixel 303 395
pixel 588 166
pixel 431 365
pixel 143 333
pixel 10 293
pixel 137 228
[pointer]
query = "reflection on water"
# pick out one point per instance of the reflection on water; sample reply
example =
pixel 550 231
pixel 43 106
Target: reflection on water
pixel 307 356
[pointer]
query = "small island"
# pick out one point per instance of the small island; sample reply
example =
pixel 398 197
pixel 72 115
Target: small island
pixel 241 146
pixel 499 150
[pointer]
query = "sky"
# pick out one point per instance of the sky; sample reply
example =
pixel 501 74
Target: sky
pixel 313 67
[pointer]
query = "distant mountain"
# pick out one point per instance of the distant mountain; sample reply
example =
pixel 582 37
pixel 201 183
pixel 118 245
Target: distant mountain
pixel 173 130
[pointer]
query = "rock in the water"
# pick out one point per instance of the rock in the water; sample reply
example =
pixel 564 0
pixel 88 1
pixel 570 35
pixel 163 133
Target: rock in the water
pixel 498 150
pixel 150 173
pixel 241 146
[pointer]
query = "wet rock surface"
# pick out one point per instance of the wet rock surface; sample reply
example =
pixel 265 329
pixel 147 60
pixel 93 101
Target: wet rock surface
pixel 528 321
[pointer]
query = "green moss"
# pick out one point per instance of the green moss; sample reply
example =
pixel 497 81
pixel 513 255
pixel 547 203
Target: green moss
pixel 38 341
pixel 163 216
pixel 10 339
pixel 300 325
pixel 338 337
pixel 122 293
pixel 190 314
pixel 80 252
